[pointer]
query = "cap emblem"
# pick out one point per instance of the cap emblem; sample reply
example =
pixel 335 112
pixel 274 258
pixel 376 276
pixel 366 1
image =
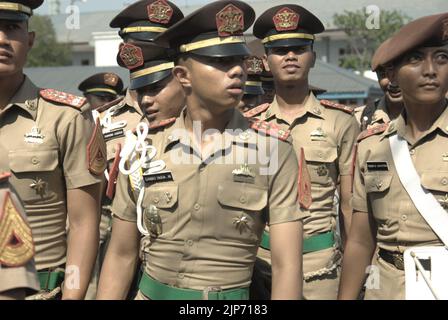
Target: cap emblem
pixel 254 65
pixel 110 79
pixel 230 21
pixel 132 56
pixel 160 12
pixel 286 19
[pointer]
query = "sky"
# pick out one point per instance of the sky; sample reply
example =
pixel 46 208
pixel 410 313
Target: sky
pixel 102 5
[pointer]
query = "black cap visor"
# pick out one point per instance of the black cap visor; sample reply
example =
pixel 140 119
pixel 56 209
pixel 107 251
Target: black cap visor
pixel 292 42
pixel 149 79
pixel 253 90
pixel 13 15
pixel 224 50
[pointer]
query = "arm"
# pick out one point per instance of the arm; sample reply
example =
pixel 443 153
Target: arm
pixel 345 208
pixel 83 213
pixel 120 261
pixel 286 248
pixel 357 256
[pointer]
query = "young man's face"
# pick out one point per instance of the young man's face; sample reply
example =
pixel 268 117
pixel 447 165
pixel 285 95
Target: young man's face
pixel 216 82
pixel 97 101
pixel 422 75
pixel 391 91
pixel 15 43
pixel 290 64
pixel 162 100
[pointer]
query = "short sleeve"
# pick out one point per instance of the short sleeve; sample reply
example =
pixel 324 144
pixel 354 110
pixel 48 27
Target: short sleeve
pixel 347 140
pixel 123 205
pixel 359 202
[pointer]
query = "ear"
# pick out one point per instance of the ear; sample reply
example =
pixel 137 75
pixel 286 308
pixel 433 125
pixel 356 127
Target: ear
pixel 314 59
pixel 182 74
pixel 31 37
pixel 265 63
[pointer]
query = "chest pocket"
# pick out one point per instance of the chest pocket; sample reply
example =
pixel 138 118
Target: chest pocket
pixel 240 219
pixel 37 176
pixel 437 184
pixel 165 199
pixel 321 164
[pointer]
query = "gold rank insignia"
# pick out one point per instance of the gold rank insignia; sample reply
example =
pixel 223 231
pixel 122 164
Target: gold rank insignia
pixel 318 135
pixel 243 174
pixel 39 186
pixel 35 136
pixel 160 12
pixel 254 65
pixel 286 19
pixel 153 221
pixel 241 223
pixel 230 21
pixel 16 242
pixel 96 151
pixel 110 79
pixel 131 56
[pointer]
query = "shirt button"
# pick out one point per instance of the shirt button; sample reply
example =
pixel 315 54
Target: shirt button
pixel 320 154
pixel 404 217
pixel 412 152
pixel 34 160
pixel 444 181
pixel 180 275
pixel 243 199
pixel 190 242
pixel 155 200
pixel 197 206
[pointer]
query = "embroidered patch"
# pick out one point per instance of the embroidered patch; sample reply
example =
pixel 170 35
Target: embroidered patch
pixel 377 166
pixel 110 79
pixel 160 12
pixel 243 174
pixel 131 56
pixel 158 177
pixel 286 19
pixel 372 131
pixel 334 105
pixel 113 134
pixel 254 65
pixel 16 242
pixel 256 111
pixel 62 97
pixel 270 129
pixel 230 21
pixel 35 136
pixel 96 152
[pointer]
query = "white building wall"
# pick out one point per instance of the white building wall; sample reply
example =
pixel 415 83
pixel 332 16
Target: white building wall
pixel 106 48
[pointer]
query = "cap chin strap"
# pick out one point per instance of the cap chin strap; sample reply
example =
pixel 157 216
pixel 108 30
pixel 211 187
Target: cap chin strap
pixel 210 43
pixel 284 36
pixel 11 6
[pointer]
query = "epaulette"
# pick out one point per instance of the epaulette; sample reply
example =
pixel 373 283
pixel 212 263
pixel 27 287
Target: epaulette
pixel 162 123
pixel 256 111
pixel 113 174
pixel 4 176
pixel 334 105
pixel 380 128
pixel 270 129
pixel 108 105
pixel 63 98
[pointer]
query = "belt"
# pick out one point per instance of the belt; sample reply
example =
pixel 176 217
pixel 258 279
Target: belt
pixel 311 244
pixel 393 258
pixel 50 280
pixel 156 290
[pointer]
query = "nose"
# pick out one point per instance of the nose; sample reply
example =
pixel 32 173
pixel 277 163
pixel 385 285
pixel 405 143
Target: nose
pixel 238 71
pixel 429 69
pixel 291 56
pixel 147 101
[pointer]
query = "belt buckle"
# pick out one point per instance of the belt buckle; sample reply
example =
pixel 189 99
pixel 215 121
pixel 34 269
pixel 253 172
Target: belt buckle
pixel 398 261
pixel 207 290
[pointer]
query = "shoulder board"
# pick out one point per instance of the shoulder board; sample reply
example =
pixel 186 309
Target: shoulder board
pixel 4 176
pixel 162 123
pixel 62 98
pixel 256 111
pixel 372 131
pixel 334 105
pixel 270 129
pixel 108 105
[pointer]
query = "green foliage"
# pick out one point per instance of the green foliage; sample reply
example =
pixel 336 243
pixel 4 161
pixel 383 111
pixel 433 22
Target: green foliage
pixel 363 41
pixel 47 52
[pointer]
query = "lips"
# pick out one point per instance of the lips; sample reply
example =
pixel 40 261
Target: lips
pixel 430 85
pixel 5 54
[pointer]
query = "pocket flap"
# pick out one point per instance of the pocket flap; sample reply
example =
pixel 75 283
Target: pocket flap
pixel 377 182
pixel 242 195
pixel 163 197
pixel 319 154
pixel 32 161
pixel 437 181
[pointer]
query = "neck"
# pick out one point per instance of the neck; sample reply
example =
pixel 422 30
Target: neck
pixel 292 97
pixel 8 87
pixel 393 109
pixel 420 117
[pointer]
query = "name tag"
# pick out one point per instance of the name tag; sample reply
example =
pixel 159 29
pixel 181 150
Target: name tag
pixel 158 177
pixel 377 166
pixel 114 134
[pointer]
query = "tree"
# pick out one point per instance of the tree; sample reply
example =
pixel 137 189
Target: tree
pixel 364 37
pixel 47 52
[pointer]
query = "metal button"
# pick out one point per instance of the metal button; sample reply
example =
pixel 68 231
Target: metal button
pixel 170 137
pixel 404 217
pixel 34 160
pixel 155 200
pixel 379 185
pixel 197 206
pixel 320 154
pixel 316 111
pixel 243 199
pixel 412 152
pixel 180 275
pixel 444 181
pixel 190 242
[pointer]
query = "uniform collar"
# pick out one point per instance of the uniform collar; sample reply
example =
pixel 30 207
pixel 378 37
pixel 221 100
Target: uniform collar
pixel 26 98
pixel 236 131
pixel 312 106
pixel 129 101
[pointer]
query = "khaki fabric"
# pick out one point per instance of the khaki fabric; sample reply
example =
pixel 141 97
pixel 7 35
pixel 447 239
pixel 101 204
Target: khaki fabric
pixel 380 193
pixel 380 116
pixel 16 277
pixel 212 224
pixel 55 165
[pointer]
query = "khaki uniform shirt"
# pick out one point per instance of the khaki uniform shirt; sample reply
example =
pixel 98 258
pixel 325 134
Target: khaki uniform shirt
pixel 13 218
pixel 212 222
pixel 45 168
pixel 380 115
pixel 327 136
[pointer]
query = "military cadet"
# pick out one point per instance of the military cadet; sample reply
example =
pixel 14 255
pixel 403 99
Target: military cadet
pixel 203 206
pixel 381 110
pixel 56 156
pixel 18 275
pixel 101 88
pixel 253 89
pixel 327 132
pixel 400 181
